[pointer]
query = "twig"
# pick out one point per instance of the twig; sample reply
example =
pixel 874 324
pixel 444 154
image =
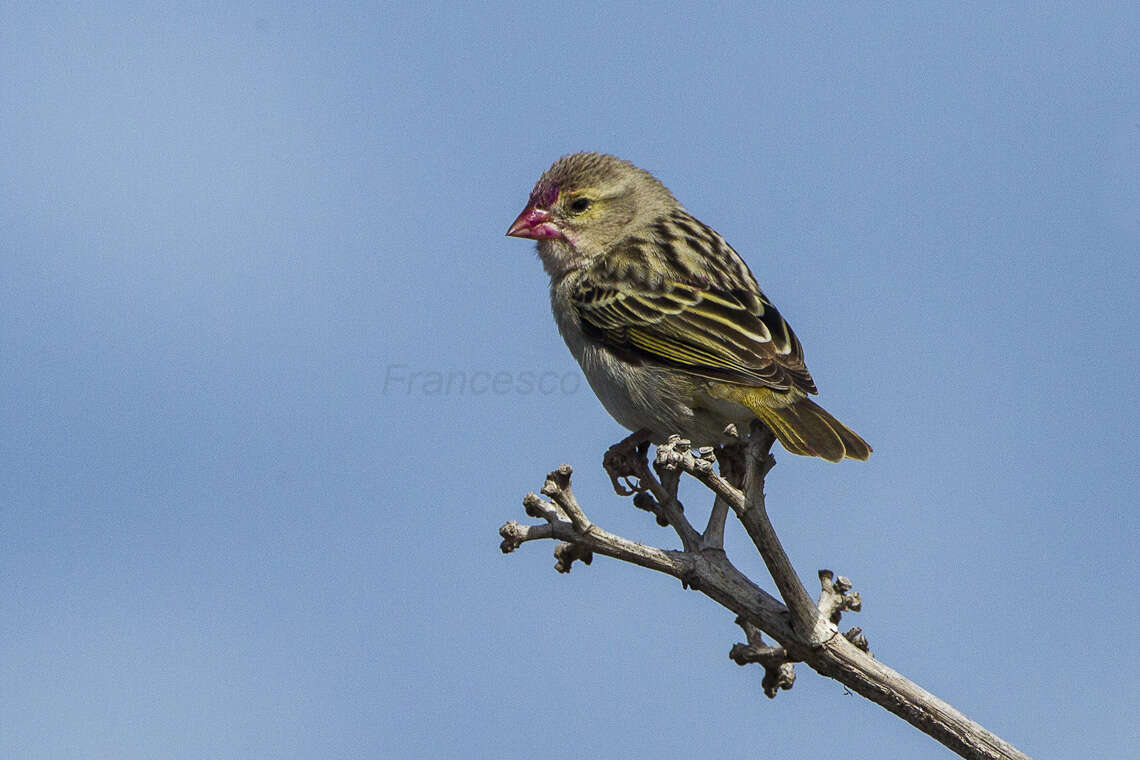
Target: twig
pixel 625 461
pixel 806 620
pixel 675 453
pixel 557 487
pixel 713 537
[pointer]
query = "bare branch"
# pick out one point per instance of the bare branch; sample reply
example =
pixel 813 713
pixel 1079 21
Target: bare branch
pixel 806 620
pixel 807 632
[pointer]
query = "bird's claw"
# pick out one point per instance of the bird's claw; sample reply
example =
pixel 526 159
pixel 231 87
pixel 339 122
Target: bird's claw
pixel 625 485
pixel 624 460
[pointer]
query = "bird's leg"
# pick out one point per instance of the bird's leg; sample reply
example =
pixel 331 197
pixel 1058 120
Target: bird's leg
pixel 622 460
pixel 731 459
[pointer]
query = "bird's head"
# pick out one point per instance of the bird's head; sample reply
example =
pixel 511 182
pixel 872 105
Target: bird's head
pixel 586 202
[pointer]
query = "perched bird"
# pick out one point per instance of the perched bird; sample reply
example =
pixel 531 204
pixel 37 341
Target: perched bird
pixel 665 318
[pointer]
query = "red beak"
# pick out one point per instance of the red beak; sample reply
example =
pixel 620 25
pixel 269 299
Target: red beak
pixel 534 223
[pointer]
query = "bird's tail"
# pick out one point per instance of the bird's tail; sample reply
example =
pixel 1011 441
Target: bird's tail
pixel 804 427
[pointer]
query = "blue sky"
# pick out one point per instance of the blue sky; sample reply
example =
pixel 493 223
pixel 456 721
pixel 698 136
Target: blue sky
pixel 229 529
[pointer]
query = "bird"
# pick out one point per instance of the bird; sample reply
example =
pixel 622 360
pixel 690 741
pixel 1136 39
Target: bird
pixel 665 319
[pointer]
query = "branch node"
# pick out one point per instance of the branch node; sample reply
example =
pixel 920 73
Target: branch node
pixel 783 676
pixel 644 500
pixel 673 457
pixel 557 480
pixel 779 672
pixel 557 487
pixel 856 637
pixel 513 536
pixel 538 507
pixel 836 596
pixel 691 580
pixel 567 553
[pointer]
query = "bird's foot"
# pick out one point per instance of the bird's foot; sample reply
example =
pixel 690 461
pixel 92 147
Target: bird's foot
pixel 625 460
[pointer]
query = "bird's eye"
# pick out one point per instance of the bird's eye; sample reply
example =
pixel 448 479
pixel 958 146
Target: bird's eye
pixel 578 205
